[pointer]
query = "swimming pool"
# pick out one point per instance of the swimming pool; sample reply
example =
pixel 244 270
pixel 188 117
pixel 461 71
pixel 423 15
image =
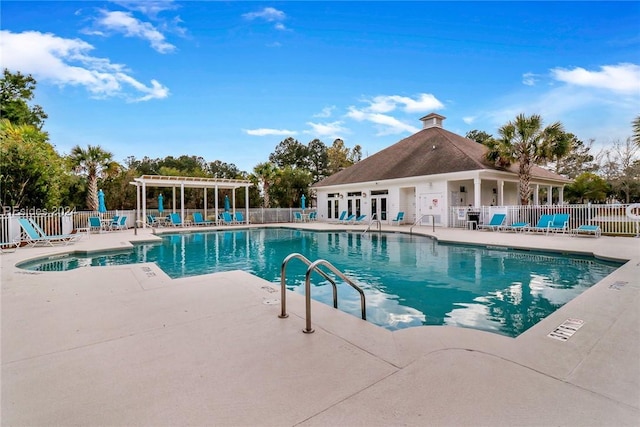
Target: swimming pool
pixel 408 280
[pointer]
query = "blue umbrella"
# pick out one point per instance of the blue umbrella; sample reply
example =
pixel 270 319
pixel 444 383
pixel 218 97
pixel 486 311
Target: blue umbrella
pixel 102 208
pixel 226 204
pixel 160 201
pixel 302 202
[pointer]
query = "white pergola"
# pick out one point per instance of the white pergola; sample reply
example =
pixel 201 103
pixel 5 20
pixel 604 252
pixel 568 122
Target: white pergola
pixel 182 182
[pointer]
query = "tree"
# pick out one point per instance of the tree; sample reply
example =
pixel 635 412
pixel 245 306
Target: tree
pixel 479 136
pixel 318 160
pixel 587 187
pixel 30 168
pixel 93 163
pixel 636 131
pixel 620 166
pixel 290 184
pixel 526 142
pixel 290 152
pixel 577 160
pixel 265 174
pixel 15 91
pixel 219 169
pixel 341 157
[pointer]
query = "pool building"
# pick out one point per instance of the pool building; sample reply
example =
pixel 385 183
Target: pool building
pixel 426 174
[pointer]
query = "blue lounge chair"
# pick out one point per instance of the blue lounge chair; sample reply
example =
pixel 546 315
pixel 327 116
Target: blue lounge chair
pixel 496 222
pixel 343 215
pixel 359 219
pixel 560 223
pixel 199 220
pixel 543 225
pixel 348 219
pixel 398 219
pixel 176 220
pixel 36 236
pixel 239 218
pixel 226 218
pixel 516 226
pixel 593 230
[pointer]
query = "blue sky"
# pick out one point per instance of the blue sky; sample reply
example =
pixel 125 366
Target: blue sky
pixel 229 80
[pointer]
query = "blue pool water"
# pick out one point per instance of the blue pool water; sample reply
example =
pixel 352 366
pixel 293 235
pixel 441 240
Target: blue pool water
pixel 408 280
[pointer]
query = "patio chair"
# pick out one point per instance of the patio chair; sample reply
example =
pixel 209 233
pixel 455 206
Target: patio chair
pixel 359 219
pixel 496 222
pixel 517 227
pixel 114 223
pixel 226 218
pixel 297 217
pixel 348 219
pixel 593 230
pixel 199 220
pixel 543 225
pixel 239 218
pixel 121 225
pixel 313 216
pixel 343 215
pixel 152 221
pixel 175 220
pixel 36 236
pixel 95 224
pixel 398 219
pixel 560 223
pixel 9 246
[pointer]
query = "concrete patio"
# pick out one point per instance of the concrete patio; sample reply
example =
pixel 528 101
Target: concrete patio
pixel 127 345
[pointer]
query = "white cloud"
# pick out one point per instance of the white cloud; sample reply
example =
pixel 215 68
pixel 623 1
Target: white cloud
pixel 125 23
pixel 326 112
pixel 67 62
pixel 332 130
pixel 529 79
pixel 376 111
pixel 269 14
pixel 267 132
pixel 149 7
pixel 622 78
pixel 469 119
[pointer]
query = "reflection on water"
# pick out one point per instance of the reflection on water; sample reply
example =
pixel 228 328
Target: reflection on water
pixel 408 280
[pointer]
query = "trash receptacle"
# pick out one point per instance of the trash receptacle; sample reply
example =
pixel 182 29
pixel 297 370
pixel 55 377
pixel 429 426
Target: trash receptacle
pixel 473 218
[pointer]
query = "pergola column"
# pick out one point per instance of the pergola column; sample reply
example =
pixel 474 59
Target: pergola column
pixel 182 201
pixel 144 201
pixel 477 192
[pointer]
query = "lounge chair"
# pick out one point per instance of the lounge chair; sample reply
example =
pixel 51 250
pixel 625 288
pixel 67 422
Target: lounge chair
pixel 226 218
pixel 593 230
pixel 239 218
pixel 543 225
pixel 348 219
pixel 560 223
pixel 359 219
pixel 496 222
pixel 36 236
pixel 95 224
pixel 398 219
pixel 343 215
pixel 176 221
pixel 9 246
pixel 516 226
pixel 199 220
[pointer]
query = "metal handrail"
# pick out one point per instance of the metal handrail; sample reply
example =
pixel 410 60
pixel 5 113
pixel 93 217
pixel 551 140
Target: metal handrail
pixel 433 222
pixel 307 290
pixel 283 286
pixel 371 223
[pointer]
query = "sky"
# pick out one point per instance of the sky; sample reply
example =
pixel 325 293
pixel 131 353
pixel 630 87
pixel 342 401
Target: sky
pixel 229 81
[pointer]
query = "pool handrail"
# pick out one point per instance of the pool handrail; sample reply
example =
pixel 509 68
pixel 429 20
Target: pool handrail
pixel 283 286
pixel 433 222
pixel 315 266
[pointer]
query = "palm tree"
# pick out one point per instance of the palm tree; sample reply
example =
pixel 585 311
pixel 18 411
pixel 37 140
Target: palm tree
pixel 636 130
pixel 526 142
pixel 92 162
pixel 265 172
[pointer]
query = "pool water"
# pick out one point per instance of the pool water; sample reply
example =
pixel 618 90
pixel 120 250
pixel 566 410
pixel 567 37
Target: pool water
pixel 408 280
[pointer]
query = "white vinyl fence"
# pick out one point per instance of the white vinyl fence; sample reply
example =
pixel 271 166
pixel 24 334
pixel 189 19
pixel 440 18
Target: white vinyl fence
pixel 612 219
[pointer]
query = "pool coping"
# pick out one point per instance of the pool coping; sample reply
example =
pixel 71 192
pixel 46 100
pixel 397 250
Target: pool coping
pixel 578 364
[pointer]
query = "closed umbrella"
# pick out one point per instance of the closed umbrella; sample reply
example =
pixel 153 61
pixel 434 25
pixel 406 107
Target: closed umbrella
pixel 160 205
pixel 102 207
pixel 303 201
pixel 227 207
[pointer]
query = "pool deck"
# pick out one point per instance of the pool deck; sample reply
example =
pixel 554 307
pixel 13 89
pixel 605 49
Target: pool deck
pixel 127 345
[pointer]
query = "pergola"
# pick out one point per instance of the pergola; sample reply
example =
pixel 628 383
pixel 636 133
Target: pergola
pixel 182 182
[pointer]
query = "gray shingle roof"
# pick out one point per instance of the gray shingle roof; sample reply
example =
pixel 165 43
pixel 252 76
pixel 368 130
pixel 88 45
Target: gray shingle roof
pixel 430 151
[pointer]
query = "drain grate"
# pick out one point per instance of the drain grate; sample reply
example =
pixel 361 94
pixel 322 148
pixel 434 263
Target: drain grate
pixel 566 329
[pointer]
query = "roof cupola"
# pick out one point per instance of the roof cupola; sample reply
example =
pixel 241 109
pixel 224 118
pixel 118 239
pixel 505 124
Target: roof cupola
pixel 432 120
